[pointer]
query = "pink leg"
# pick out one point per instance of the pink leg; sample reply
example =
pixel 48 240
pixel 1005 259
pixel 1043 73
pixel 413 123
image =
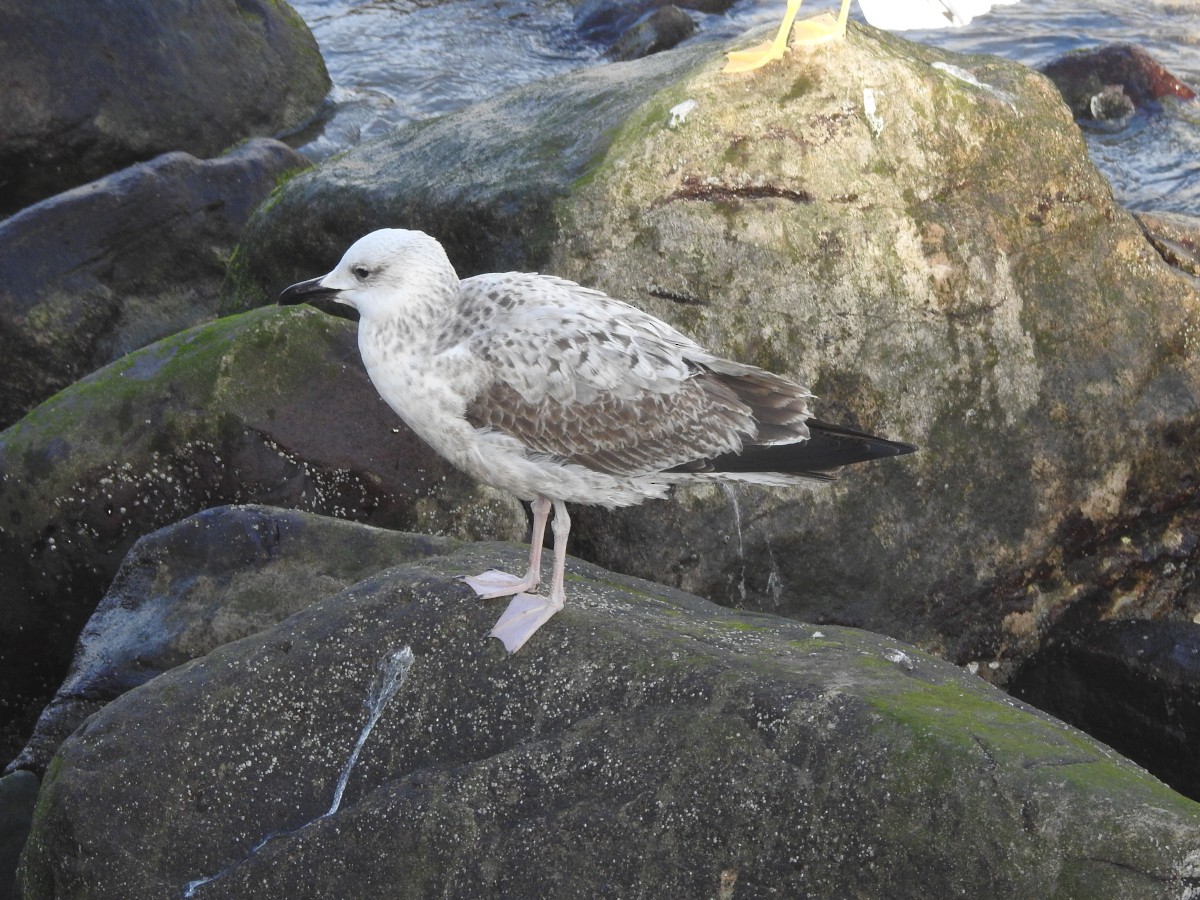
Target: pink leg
pixel 562 528
pixel 526 613
pixel 494 583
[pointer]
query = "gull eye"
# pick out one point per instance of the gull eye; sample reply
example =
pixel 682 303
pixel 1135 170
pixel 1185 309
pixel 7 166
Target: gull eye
pixel 361 272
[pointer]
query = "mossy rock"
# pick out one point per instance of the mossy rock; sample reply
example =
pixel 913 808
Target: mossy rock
pixel 269 406
pixel 644 743
pixel 93 273
pixel 919 237
pixel 484 179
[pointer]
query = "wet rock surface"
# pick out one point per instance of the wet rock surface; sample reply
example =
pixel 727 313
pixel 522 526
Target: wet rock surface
pixel 645 743
pixel 1176 237
pixel 272 406
pixel 209 579
pixel 94 273
pixel 1133 684
pixel 1113 81
pixel 18 794
pixel 122 83
pixel 658 31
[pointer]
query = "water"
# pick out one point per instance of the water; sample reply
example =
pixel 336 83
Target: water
pixel 394 62
pixel 398 61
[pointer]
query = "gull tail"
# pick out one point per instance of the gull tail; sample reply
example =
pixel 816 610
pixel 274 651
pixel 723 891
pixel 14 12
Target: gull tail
pixel 828 448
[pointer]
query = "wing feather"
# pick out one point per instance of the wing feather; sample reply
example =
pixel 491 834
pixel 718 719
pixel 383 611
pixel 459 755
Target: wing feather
pixel 581 377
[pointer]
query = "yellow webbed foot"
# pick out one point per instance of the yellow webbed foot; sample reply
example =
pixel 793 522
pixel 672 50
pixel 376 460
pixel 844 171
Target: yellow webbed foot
pixel 768 51
pixel 818 30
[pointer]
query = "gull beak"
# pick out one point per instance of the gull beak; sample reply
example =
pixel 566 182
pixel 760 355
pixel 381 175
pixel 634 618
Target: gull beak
pixel 306 291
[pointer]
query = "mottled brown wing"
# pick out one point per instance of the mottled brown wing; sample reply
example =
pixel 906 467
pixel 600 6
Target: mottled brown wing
pixel 645 434
pixel 585 378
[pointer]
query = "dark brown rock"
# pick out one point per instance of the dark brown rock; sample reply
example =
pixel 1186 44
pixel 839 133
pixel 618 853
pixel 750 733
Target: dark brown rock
pixel 645 743
pixel 96 272
pixel 1091 81
pixel 90 88
pixel 661 30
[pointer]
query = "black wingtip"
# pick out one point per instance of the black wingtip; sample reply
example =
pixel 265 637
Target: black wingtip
pixel 828 448
pixel 855 441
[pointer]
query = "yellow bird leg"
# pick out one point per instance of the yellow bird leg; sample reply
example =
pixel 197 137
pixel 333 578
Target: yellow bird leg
pixel 768 51
pixel 821 29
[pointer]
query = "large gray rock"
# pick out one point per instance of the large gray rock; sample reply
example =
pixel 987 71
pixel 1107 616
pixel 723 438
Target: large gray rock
pixel 272 406
pixel 644 744
pixel 89 88
pixel 93 273
pixel 484 180
pixel 209 579
pixel 18 794
pixel 918 236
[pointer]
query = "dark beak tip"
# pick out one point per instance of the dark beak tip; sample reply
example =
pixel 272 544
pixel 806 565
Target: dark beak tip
pixel 303 291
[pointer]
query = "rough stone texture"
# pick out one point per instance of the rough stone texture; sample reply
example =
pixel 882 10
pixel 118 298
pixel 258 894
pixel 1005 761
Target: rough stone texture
pixel 18 793
pixel 644 744
pixel 1176 237
pixel 95 272
pixel 1087 78
pixel 948 269
pixel 604 21
pixel 660 30
pixel 500 167
pixel 272 406
pixel 1133 685
pixel 207 580
pixel 89 88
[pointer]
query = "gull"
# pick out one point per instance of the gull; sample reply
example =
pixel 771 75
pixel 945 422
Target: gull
pixel 890 15
pixel 558 393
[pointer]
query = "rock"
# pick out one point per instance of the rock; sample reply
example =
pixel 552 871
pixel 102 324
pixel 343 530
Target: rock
pixel 18 793
pixel 1176 237
pixel 645 743
pixel 906 260
pixel 658 31
pixel 944 266
pixel 506 163
pixel 207 580
pixel 1134 685
pixel 1112 103
pixel 88 89
pixel 269 406
pixel 93 273
pixel 1110 82
pixel 606 21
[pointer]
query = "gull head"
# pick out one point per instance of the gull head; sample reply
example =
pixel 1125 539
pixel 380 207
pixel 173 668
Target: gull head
pixel 382 274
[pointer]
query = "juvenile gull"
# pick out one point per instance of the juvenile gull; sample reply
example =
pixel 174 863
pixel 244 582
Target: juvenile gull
pixel 558 393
